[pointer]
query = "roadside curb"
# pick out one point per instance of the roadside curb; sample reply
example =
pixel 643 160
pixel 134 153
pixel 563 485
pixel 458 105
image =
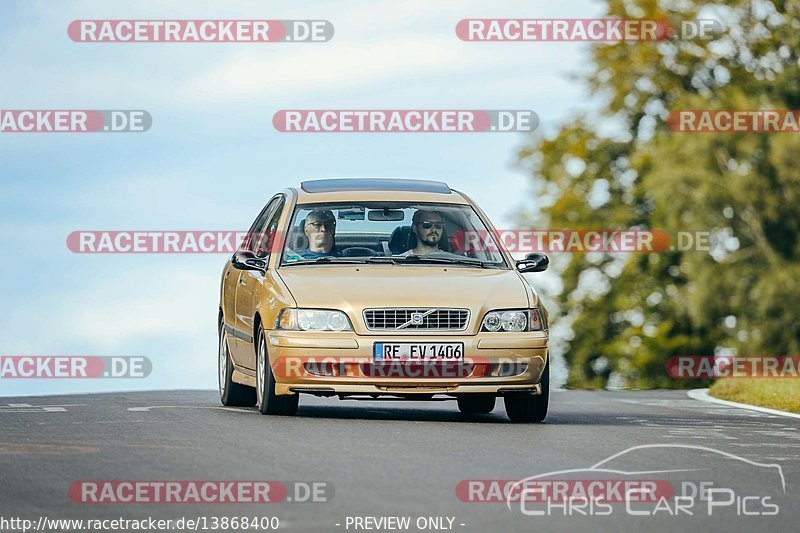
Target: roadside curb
pixel 703 396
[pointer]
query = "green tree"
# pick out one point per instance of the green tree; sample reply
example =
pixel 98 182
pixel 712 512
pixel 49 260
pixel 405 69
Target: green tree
pixel 629 314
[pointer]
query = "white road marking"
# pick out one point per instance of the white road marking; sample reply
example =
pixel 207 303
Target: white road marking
pixel 694 406
pixel 703 396
pixel 151 407
pixel 28 408
pixel 721 427
pixel 781 445
pixel 708 429
pixel 698 433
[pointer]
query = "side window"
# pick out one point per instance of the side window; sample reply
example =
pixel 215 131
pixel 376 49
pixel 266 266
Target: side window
pixel 258 225
pixel 266 239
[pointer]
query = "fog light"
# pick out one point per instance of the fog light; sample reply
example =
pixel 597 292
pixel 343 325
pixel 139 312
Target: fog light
pixel 321 369
pixel 504 370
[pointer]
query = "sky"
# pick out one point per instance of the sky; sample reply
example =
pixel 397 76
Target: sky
pixel 212 157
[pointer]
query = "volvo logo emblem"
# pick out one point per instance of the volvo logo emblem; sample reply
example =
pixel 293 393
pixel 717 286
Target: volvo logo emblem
pixel 416 319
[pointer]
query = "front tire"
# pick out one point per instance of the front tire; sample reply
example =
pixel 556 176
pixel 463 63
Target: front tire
pixel 476 403
pixel 230 394
pixel 522 407
pixel 267 401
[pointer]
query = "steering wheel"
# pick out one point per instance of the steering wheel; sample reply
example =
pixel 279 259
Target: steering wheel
pixel 358 251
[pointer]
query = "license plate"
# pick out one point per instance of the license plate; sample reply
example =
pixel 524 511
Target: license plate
pixel 418 351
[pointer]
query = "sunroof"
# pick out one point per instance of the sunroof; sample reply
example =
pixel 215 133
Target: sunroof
pixel 375 184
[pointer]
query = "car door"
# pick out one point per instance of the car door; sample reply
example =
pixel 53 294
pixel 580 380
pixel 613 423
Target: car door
pixel 238 340
pixel 230 277
pixel 250 280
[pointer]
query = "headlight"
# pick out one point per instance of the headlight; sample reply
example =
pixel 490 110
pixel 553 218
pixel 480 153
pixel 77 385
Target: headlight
pixel 492 322
pixel 313 320
pixel 513 320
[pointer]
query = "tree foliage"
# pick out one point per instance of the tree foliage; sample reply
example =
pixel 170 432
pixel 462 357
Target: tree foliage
pixel 624 168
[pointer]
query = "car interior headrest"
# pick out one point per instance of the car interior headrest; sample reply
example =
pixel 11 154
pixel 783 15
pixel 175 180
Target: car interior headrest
pixel 402 240
pixel 297 237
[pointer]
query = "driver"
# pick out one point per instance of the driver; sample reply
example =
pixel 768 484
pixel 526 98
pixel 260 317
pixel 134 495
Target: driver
pixel 320 229
pixel 428 228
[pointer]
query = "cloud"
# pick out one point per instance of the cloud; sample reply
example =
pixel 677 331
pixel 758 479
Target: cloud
pixel 377 44
pixel 212 156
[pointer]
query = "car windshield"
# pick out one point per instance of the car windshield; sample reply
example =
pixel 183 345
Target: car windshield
pixel 389 232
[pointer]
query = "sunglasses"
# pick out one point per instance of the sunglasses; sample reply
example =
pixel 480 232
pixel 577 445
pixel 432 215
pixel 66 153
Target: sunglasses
pixel 429 225
pixel 318 225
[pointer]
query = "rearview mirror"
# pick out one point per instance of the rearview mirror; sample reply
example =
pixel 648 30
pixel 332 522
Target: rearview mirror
pixel 247 260
pixel 533 262
pixel 386 215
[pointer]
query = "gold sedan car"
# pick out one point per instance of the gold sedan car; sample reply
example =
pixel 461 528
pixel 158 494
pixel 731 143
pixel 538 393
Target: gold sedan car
pixel 390 288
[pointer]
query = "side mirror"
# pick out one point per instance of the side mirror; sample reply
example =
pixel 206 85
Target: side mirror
pixel 533 262
pixel 247 260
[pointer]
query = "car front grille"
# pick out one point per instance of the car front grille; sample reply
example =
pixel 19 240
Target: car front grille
pixel 416 319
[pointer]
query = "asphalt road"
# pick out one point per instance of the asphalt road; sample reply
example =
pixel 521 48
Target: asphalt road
pixel 402 459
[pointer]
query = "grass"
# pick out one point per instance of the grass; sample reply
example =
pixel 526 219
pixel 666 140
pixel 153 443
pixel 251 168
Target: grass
pixel 775 393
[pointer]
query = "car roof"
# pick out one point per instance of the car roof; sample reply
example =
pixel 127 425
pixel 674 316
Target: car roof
pixel 375 184
pixel 366 189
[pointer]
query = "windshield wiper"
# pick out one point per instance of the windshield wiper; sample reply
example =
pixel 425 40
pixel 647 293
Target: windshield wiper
pixel 325 259
pixel 442 260
pixel 380 259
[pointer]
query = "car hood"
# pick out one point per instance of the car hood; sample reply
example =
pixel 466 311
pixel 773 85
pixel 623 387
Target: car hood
pixel 353 289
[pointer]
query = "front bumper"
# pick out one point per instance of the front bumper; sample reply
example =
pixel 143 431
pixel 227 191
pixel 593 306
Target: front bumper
pixel 351 357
